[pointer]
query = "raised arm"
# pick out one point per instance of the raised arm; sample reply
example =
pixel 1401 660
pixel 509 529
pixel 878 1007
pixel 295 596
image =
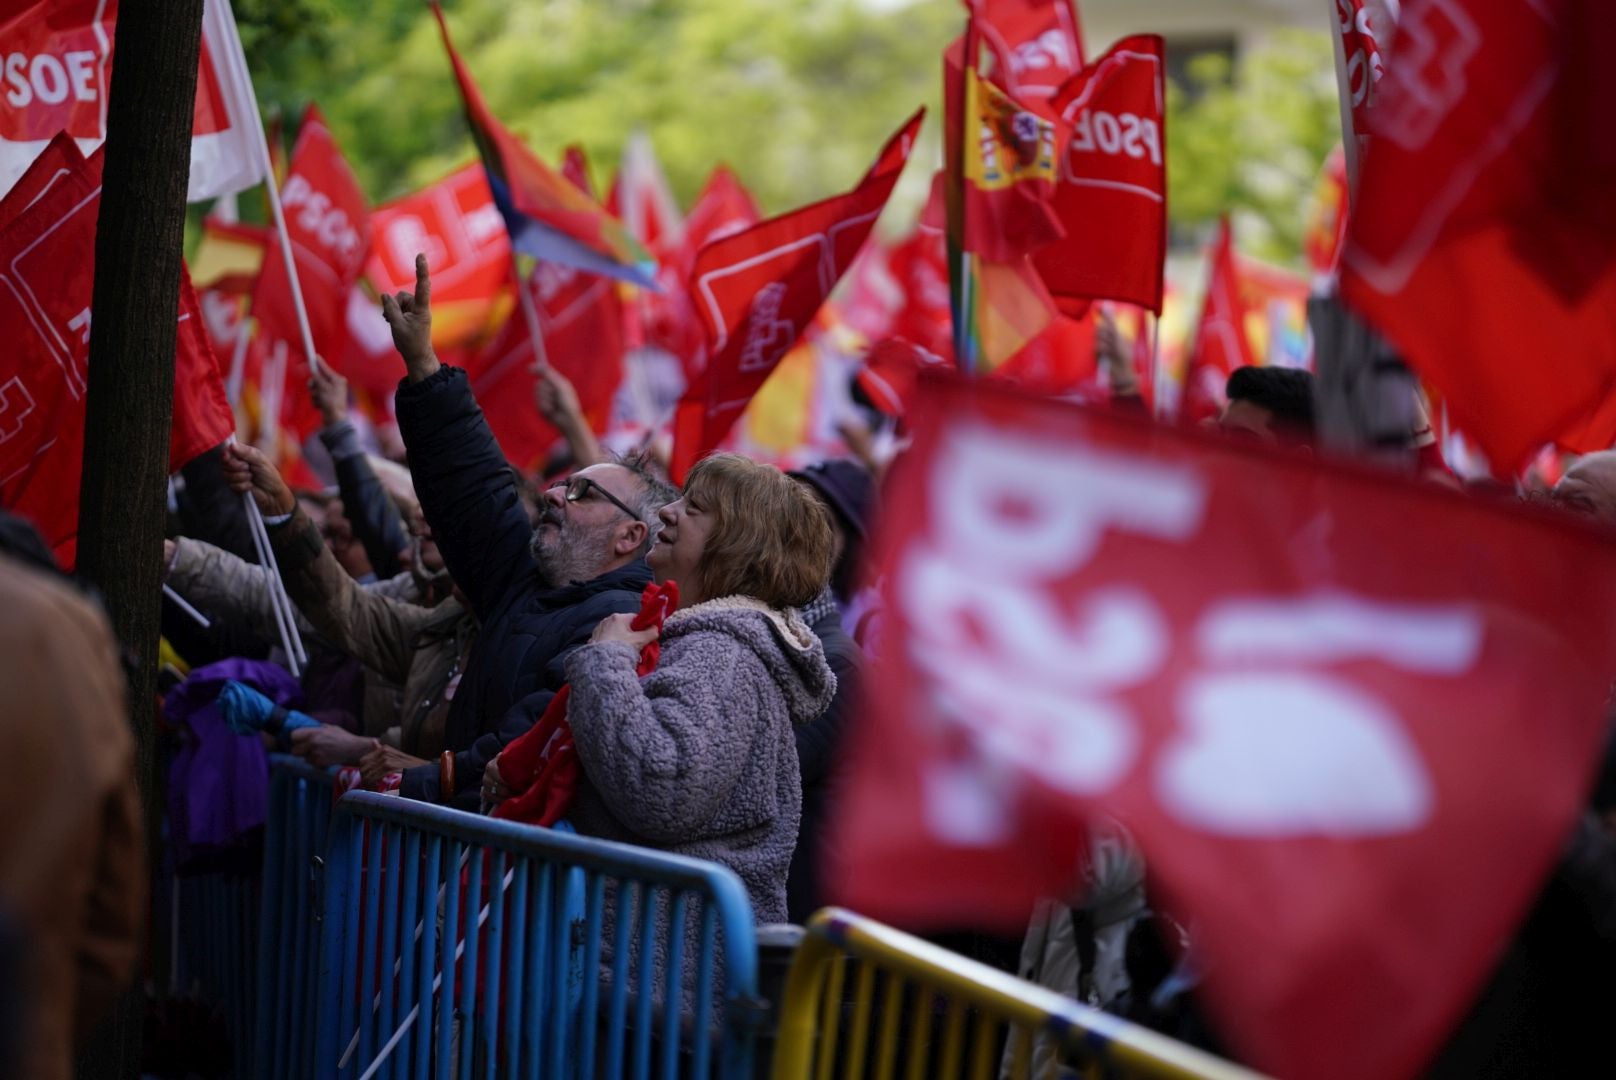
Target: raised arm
pixel 377 524
pixel 466 489
pixel 373 628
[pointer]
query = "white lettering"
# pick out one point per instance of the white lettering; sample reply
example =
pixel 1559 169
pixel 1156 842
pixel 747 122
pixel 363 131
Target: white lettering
pixel 49 79
pixel 1018 509
pixel 81 323
pixel 20 94
pixel 81 70
pixel 1094 131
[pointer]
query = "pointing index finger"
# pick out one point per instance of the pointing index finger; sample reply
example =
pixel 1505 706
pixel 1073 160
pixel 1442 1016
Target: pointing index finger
pixel 423 283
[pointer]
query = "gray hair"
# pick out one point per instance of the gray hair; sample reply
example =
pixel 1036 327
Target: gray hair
pixel 654 492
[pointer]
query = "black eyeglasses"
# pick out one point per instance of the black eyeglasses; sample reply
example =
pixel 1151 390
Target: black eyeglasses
pixel 579 487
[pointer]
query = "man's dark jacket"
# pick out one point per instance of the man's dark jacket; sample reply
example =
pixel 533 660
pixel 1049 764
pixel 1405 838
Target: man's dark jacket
pixel 469 497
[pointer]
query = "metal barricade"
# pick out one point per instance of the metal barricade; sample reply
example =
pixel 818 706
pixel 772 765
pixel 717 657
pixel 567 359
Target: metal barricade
pixel 288 940
pixel 458 946
pixel 958 1018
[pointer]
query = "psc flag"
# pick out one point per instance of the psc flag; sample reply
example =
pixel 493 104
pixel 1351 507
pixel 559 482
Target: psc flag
pixel 1111 196
pixel 328 225
pixel 57 70
pixel 1038 43
pixel 757 290
pixel 1483 242
pixel 1305 700
pixel 47 279
pixel 548 218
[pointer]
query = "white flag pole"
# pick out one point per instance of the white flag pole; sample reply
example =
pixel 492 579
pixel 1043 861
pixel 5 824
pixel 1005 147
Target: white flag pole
pixel 237 66
pixel 530 313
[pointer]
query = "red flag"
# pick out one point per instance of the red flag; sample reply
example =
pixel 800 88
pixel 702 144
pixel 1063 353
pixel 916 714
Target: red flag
pixel 60 159
pixel 724 207
pixel 1483 243
pixel 1221 344
pixel 919 265
pixel 1360 64
pixel 1279 735
pixel 1327 215
pixel 581 315
pixel 1038 43
pixel 757 291
pixel 457 225
pixel 575 168
pixel 47 279
pixel 1009 160
pixel 1112 195
pixel 329 227
pixel 57 68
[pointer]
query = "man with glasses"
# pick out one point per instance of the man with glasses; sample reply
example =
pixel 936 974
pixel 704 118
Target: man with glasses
pixel 539 589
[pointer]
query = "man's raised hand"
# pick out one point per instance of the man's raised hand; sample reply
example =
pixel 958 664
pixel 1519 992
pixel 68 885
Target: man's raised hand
pixel 409 316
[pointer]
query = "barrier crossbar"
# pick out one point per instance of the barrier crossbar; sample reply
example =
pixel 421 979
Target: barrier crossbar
pixel 957 1017
pixel 456 946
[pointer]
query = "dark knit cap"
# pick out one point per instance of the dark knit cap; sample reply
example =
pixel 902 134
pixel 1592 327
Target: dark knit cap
pixel 846 486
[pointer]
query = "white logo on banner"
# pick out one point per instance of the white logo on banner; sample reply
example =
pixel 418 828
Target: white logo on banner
pixel 1267 743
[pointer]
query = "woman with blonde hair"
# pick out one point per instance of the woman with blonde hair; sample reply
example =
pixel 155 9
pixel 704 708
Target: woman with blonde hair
pixel 699 756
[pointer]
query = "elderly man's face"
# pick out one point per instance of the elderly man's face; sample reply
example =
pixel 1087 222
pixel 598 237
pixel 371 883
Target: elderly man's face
pixel 1589 487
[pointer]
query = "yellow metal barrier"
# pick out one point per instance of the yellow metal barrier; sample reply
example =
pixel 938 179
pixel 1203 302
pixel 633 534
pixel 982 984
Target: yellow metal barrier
pixel 978 1004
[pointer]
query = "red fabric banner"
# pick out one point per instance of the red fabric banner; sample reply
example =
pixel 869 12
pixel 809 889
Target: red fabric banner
pixel 1307 743
pixel 1038 43
pixel 457 225
pixel 1484 239
pixel 582 319
pixel 328 223
pixel 1112 194
pixel 757 290
pixel 55 73
pixel 47 279
pixel 1221 344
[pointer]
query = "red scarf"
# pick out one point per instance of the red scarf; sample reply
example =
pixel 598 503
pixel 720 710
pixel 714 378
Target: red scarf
pixel 541 767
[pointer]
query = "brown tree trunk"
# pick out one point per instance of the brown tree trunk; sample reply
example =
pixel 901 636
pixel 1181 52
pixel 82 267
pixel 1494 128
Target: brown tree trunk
pixel 139 248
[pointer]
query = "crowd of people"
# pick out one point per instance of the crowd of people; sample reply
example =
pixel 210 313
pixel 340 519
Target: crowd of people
pixel 674 668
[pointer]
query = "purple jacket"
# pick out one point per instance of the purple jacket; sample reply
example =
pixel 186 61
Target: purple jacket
pixel 219 782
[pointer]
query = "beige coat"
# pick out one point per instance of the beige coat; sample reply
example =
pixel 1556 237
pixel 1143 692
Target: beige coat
pixel 419 648
pixel 72 857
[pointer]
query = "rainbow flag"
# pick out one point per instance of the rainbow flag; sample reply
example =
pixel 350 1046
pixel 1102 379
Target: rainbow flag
pixel 547 216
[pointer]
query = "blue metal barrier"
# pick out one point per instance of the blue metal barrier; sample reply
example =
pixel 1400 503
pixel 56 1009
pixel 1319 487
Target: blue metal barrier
pixel 288 939
pixel 459 946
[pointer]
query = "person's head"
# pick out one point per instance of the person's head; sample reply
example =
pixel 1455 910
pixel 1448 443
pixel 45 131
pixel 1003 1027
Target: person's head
pixel 336 530
pixel 1273 404
pixel 597 520
pixel 1589 487
pixel 847 490
pixel 743 529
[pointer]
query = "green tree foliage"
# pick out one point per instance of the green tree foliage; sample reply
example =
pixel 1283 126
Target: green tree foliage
pixel 1251 141
pixel 796 95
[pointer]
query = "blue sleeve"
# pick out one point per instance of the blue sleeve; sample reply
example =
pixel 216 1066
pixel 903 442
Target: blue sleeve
pixel 465 487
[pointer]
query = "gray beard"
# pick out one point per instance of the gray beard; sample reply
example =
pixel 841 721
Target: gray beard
pixel 570 555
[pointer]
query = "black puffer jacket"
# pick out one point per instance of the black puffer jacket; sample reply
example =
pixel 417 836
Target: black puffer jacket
pixel 469 498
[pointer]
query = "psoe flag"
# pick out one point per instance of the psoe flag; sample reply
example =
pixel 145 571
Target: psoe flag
pixel 56 70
